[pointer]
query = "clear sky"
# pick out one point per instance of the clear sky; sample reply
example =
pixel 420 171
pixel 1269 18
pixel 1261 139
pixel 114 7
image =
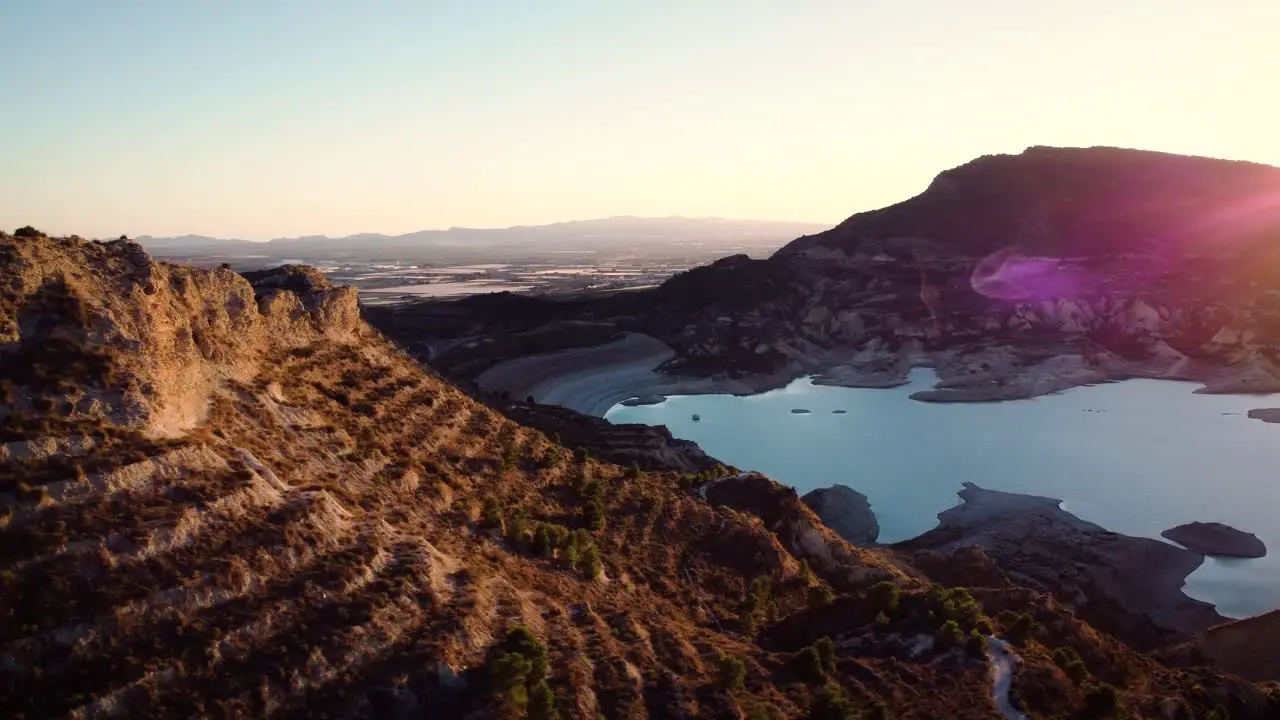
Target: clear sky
pixel 265 118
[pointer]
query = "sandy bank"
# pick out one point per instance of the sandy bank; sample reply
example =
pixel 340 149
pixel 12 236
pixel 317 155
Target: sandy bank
pixel 591 380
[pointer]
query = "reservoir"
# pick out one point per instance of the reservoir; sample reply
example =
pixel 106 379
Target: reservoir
pixel 1136 457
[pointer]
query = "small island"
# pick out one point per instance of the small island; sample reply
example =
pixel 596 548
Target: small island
pixel 1268 415
pixel 1216 539
pixel 839 412
pixel 800 411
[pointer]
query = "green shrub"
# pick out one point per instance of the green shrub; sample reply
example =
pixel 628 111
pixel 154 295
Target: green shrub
pixel 593 515
pixel 976 644
pixel 827 652
pixel 885 596
pixel 542 702
pixel 879 712
pixel 633 473
pixel 809 665
pixel 491 513
pixel 758 605
pixel 27 231
pixel 1103 701
pixel 949 635
pixel 955 604
pixel 591 563
pixel 829 703
pixel 1023 628
pixel 1069 660
pixel 821 596
pixel 581 456
pixel 732 674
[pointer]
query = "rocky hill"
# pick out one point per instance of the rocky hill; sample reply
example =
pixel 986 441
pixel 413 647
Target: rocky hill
pixel 1014 276
pixel 226 496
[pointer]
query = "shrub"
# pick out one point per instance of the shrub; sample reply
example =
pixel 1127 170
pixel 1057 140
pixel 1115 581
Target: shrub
pixel 885 596
pixel 581 456
pixel 509 674
pixel 1023 628
pixel 593 515
pixel 956 604
pixel 949 635
pixel 591 563
pixel 27 231
pixel 827 652
pixel 1102 701
pixel 542 702
pixel 829 703
pixel 821 596
pixel 632 473
pixel 732 674
pixel 809 664
pixel 758 605
pixel 1069 660
pixel 491 513
pixel 975 645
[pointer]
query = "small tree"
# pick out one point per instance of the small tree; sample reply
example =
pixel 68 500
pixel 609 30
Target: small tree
pixel 809 665
pixel 827 653
pixel 491 513
pixel 1069 660
pixel 829 703
pixel 975 645
pixel 949 635
pixel 591 563
pixel 593 515
pixel 1102 701
pixel 821 595
pixel 885 597
pixel 732 674
pixel 26 231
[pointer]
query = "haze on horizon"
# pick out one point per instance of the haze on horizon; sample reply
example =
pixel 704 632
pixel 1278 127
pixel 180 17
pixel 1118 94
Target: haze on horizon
pixel 257 119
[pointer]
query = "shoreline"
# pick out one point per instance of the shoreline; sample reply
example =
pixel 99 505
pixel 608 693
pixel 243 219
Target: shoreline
pixel 592 380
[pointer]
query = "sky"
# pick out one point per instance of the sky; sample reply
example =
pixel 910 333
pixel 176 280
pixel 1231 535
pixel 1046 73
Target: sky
pixel 266 118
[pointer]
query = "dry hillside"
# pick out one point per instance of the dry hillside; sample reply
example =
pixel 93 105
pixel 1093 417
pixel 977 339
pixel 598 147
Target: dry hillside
pixel 232 499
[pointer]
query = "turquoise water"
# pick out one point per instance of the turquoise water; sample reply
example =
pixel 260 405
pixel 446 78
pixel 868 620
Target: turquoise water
pixel 1137 457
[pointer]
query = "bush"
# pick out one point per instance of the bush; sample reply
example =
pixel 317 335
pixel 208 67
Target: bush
pixel 1102 701
pixel 829 703
pixel 879 712
pixel 1069 660
pixel 591 563
pixel 975 645
pixel 956 604
pixel 821 596
pixel 758 605
pixel 949 635
pixel 809 665
pixel 593 515
pixel 732 674
pixel 827 652
pixel 491 513
pixel 542 702
pixel 885 596
pixel 508 677
pixel 581 456
pixel 632 473
pixel 27 231
pixel 1023 628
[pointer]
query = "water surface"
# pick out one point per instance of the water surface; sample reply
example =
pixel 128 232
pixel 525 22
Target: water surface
pixel 1137 457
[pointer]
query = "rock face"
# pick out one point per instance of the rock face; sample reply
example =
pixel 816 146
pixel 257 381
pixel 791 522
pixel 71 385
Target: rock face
pixel 1216 539
pixel 846 511
pixel 1126 585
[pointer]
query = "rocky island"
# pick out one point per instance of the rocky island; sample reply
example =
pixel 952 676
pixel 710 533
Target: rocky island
pixel 1216 539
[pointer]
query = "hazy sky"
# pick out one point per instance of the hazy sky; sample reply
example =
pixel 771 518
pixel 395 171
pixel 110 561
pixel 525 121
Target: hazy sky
pixel 262 118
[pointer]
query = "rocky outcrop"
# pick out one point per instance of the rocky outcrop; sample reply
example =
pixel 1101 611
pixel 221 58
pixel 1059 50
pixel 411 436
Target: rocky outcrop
pixel 1249 648
pixel 152 339
pixel 846 511
pixel 799 529
pixel 1126 585
pixel 1216 539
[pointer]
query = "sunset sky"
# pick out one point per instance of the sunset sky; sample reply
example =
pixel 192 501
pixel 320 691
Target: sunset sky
pixel 266 118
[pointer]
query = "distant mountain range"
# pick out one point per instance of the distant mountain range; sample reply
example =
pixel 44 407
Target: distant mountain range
pixel 614 233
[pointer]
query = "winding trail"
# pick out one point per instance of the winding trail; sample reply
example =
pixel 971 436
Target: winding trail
pixel 1002 663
